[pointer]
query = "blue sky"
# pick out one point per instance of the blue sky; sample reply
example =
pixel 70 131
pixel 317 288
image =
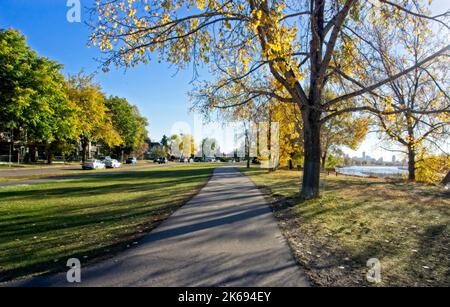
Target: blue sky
pixel 159 91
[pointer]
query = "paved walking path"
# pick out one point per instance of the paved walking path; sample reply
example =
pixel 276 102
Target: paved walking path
pixel 225 236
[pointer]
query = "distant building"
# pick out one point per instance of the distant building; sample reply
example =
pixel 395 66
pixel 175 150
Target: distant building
pixel 364 155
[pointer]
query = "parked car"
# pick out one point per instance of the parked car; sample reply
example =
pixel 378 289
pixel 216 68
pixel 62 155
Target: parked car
pixel 93 164
pixel 112 163
pixel 198 159
pixel 132 161
pixel 210 159
pixel 161 160
pixel 107 158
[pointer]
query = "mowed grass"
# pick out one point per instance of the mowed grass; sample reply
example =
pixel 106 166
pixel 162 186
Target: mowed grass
pixel 43 225
pixel 17 173
pixel 405 225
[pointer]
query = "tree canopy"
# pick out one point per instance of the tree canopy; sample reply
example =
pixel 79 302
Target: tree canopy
pixel 32 93
pixel 304 47
pixel 128 122
pixel 91 119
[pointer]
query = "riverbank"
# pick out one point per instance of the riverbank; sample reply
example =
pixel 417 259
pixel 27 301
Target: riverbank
pixel 373 171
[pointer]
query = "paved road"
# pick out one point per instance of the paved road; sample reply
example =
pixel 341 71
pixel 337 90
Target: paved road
pixel 225 236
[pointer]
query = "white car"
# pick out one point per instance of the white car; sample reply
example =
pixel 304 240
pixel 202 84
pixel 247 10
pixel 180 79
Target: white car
pixel 113 163
pixel 93 164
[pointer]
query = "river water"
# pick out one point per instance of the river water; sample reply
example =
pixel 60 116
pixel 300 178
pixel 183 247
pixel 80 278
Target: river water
pixel 374 171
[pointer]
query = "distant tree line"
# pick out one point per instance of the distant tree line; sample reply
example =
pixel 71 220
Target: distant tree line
pixel 39 107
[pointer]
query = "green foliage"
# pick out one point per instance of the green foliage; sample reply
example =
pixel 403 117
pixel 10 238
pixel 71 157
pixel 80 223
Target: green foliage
pixel 209 147
pixel 128 123
pixel 91 119
pixel 158 152
pixel 31 91
pixel 165 141
pixel 332 162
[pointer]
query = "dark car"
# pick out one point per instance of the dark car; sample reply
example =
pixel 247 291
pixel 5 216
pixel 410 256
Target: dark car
pixel 198 159
pixel 161 160
pixel 132 161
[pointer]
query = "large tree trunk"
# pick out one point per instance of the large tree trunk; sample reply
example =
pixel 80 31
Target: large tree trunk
pixel 311 113
pixel 311 174
pixel 411 164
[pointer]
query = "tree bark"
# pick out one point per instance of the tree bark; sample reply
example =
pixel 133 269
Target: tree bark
pixel 269 142
pixel 324 159
pixel 311 113
pixel 49 157
pixel 446 179
pixel 49 152
pixel 33 150
pixel 411 164
pixel 247 146
pixel 311 173
pixel 258 153
pixel 84 145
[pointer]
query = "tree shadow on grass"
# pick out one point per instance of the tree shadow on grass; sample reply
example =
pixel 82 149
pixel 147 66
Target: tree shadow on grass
pixel 141 214
pixel 430 253
pixel 156 179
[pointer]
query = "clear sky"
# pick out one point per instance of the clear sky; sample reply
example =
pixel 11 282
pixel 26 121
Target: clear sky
pixel 158 90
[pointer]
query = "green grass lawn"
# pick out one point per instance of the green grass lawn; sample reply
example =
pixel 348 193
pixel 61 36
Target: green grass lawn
pixel 43 165
pixel 73 169
pixel 43 225
pixel 406 226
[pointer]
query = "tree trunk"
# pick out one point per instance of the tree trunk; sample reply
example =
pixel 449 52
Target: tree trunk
pixel 269 143
pixel 411 164
pixel 33 152
pixel 84 146
pixel 247 148
pixel 446 179
pixel 324 159
pixel 49 152
pixel 311 173
pixel 49 157
pixel 311 113
pixel 258 153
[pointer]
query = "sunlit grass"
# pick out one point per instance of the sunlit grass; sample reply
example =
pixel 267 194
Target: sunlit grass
pixel 406 226
pixel 43 225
